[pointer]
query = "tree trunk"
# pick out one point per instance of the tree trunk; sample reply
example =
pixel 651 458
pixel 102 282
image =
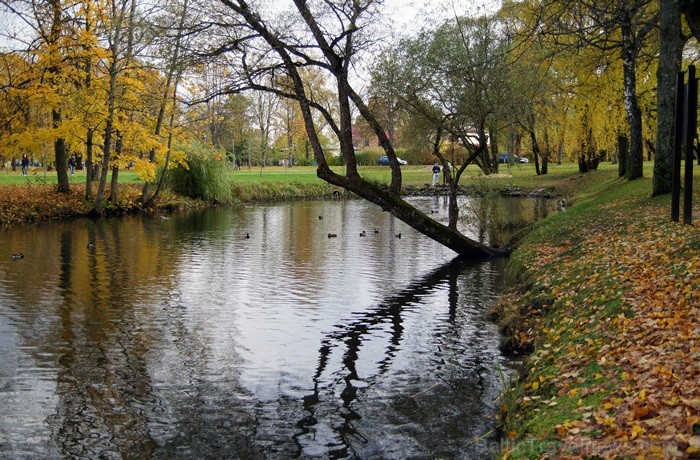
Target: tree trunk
pixel 89 138
pixel 114 184
pixel 535 151
pixel 416 219
pixel 60 151
pixel 61 155
pixel 635 161
pixel 115 47
pixel 389 200
pixel 622 153
pixel 691 11
pixel 89 143
pixel 545 154
pixel 494 150
pixel 670 55
pixel 171 125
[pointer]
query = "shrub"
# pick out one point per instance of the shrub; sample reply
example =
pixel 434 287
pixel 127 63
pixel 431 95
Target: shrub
pixel 207 176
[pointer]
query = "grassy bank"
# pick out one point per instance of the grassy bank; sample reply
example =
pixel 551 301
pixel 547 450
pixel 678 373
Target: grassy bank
pixel 608 297
pixel 33 198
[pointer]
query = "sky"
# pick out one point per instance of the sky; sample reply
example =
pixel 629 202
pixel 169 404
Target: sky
pixel 408 15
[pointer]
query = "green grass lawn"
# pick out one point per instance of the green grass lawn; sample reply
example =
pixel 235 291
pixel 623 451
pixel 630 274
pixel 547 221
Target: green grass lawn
pixel 415 175
pixel 519 175
pixel 39 176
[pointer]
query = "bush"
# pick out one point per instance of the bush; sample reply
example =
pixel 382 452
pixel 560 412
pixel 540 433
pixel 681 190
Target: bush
pixel 207 176
pixel 303 161
pixel 366 157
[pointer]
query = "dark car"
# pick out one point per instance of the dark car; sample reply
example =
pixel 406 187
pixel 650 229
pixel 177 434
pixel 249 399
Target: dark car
pixel 384 161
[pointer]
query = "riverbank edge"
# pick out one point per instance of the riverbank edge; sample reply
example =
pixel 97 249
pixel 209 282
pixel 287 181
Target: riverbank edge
pixel 602 309
pixel 23 204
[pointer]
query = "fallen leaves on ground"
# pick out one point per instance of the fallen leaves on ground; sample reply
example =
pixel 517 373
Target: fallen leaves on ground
pixel 39 202
pixel 616 322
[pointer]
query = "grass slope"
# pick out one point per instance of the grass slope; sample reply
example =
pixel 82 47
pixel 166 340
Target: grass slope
pixel 608 295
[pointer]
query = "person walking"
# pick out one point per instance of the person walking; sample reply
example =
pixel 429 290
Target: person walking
pixel 436 174
pixel 71 165
pixel 25 164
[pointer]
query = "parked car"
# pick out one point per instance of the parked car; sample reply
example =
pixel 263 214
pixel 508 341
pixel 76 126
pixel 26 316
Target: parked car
pixel 384 161
pixel 507 158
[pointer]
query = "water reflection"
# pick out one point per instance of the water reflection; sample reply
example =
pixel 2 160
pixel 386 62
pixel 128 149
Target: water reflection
pixel 179 338
pixel 386 320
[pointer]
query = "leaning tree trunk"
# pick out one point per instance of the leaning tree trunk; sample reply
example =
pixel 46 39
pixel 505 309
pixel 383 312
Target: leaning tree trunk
pixel 416 219
pixel 389 200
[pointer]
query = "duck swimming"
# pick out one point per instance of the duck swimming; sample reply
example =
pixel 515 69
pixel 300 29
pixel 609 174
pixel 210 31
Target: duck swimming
pixel 17 255
pixel 332 235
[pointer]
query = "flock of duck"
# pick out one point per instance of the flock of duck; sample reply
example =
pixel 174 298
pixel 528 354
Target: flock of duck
pixel 19 255
pixel 362 234
pixel 91 246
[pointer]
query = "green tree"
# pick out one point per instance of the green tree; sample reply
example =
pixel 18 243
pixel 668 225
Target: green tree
pixel 615 28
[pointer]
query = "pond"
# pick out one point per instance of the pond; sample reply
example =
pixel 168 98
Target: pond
pixel 176 336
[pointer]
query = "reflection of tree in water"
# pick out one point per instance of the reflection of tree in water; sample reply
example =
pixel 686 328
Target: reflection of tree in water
pixel 350 338
pixel 110 403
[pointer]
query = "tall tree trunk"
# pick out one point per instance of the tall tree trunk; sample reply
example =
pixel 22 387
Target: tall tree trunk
pixel 546 152
pixel 113 70
pixel 60 154
pixel 114 184
pixel 622 153
pixel 635 161
pixel 90 135
pixel 89 144
pixel 147 200
pixel 494 150
pixel 60 151
pixel 691 11
pixel 171 125
pixel 670 55
pixel 535 151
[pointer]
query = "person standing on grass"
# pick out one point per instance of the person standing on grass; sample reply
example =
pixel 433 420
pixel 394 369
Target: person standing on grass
pixel 436 174
pixel 71 165
pixel 25 164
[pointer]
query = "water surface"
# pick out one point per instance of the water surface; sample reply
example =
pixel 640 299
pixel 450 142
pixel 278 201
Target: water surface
pixel 177 337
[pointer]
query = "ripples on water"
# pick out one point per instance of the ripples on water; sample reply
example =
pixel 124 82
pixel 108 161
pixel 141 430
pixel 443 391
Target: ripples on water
pixel 179 338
